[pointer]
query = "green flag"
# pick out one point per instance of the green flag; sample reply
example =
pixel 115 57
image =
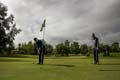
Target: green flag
pixel 43 25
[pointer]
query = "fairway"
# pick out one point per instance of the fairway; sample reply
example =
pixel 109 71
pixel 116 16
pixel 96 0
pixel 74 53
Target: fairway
pixel 60 68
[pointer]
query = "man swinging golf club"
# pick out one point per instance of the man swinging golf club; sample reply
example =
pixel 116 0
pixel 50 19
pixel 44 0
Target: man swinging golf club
pixel 40 46
pixel 40 50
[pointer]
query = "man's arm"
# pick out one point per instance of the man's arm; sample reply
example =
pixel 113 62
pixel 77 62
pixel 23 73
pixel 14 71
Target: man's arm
pixel 38 50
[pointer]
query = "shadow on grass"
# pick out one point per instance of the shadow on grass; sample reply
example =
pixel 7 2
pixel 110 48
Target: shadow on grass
pixel 61 65
pixel 108 70
pixel 65 65
pixel 12 60
pixel 109 64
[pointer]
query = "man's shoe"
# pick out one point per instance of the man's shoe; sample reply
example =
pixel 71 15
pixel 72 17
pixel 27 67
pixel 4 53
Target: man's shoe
pixel 38 63
pixel 97 63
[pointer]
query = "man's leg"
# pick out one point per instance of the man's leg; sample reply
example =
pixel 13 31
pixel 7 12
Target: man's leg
pixel 43 52
pixel 40 57
pixel 97 57
pixel 94 53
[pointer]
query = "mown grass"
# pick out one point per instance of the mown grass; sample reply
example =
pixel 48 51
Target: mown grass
pixel 60 68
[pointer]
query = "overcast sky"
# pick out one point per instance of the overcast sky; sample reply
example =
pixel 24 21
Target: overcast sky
pixel 74 20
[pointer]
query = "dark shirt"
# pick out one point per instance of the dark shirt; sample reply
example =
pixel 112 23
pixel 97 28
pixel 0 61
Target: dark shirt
pixel 96 43
pixel 40 44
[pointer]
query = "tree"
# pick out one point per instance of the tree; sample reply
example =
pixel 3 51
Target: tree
pixel 60 49
pixel 8 29
pixel 90 49
pixel 115 47
pixel 106 50
pixel 28 48
pixel 84 49
pixel 75 48
pixel 67 47
pixel 101 47
pixel 19 46
pixel 49 49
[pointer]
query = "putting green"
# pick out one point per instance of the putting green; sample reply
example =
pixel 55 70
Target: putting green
pixel 60 68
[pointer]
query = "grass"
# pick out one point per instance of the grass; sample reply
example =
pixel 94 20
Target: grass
pixel 60 68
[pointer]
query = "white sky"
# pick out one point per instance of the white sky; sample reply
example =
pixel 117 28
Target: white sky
pixel 74 20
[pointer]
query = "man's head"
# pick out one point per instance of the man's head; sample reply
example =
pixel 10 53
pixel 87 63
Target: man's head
pixel 93 35
pixel 35 39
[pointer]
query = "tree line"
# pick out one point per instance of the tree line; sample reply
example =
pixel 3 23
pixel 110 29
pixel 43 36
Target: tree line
pixel 67 48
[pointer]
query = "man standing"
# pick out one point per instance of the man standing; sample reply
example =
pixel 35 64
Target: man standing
pixel 95 48
pixel 40 49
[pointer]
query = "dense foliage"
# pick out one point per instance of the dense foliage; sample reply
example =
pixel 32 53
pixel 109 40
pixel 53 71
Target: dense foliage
pixel 8 30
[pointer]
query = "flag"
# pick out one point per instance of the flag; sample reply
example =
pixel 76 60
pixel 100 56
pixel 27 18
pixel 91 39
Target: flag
pixel 43 25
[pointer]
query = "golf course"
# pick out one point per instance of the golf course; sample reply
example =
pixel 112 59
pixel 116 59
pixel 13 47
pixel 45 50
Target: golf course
pixel 59 39
pixel 60 68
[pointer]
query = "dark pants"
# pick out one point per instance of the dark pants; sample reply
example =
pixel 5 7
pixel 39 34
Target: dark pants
pixel 41 56
pixel 96 58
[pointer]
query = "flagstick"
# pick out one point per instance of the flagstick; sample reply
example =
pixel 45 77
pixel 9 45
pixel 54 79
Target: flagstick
pixel 43 39
pixel 43 33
